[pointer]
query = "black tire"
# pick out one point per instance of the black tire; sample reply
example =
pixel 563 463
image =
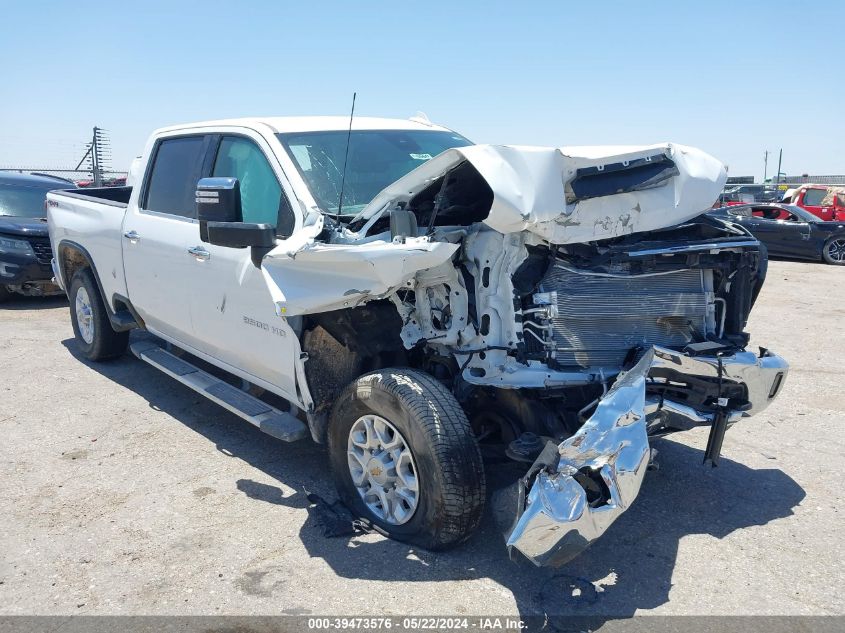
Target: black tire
pixel 5 294
pixel 448 462
pixel 105 343
pixel 834 250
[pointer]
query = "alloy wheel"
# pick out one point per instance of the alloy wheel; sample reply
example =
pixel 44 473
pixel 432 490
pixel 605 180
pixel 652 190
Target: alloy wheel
pixel 84 315
pixel 836 250
pixel 383 470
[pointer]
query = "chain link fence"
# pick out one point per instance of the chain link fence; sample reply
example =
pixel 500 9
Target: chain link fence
pixel 80 177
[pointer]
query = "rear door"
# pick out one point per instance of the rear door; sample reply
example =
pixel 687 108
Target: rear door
pixel 812 199
pixel 157 233
pixel 234 315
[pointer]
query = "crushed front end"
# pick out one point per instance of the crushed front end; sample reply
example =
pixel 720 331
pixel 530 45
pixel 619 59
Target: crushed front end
pixel 574 351
pixel 575 300
pixel 576 489
pixel 669 308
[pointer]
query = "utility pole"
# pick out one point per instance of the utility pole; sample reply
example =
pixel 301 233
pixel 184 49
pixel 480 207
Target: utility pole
pixel 95 160
pixel 765 164
pixel 780 158
pixel 98 154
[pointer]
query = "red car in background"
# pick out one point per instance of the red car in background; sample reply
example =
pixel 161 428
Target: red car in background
pixel 825 202
pixel 107 182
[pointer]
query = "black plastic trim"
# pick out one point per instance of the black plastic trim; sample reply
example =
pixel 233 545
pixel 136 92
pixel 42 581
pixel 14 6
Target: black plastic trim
pixel 136 322
pixel 623 177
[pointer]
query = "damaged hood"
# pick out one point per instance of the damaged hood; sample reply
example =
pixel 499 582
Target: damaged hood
pixel 323 277
pixel 578 194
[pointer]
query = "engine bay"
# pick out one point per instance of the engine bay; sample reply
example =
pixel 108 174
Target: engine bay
pixel 540 327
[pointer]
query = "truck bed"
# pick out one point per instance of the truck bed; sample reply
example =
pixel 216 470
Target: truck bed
pixel 113 196
pixel 91 220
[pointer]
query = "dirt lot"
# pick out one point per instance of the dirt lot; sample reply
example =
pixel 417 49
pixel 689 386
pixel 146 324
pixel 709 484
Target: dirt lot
pixel 126 493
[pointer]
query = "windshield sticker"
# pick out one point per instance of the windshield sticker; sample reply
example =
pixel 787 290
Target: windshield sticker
pixel 300 153
pixel 421 156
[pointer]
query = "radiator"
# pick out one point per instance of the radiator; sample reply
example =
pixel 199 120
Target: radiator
pixel 600 318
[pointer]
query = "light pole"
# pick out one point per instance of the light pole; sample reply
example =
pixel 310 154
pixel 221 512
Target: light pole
pixel 765 164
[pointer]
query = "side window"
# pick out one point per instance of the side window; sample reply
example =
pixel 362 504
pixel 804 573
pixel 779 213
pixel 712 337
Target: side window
pixel 762 213
pixel 262 200
pixel 814 197
pixel 176 169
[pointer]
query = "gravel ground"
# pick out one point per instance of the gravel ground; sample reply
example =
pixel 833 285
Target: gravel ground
pixel 126 493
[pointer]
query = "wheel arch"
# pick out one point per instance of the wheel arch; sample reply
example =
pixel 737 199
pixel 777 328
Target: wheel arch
pixel 72 257
pixel 341 345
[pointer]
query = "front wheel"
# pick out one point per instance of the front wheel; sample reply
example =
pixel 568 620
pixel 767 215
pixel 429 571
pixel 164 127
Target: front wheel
pixel 404 458
pixel 91 327
pixel 5 294
pixel 834 250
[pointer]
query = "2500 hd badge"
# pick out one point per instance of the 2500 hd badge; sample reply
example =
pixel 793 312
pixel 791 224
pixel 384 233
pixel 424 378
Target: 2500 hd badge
pixel 264 326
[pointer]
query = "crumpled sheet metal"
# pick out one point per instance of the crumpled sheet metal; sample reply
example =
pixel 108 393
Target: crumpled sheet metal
pixel 324 277
pixel 529 187
pixel 558 522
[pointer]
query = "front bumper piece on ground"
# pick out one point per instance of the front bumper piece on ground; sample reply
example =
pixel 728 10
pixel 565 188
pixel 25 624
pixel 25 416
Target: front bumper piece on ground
pixel 577 489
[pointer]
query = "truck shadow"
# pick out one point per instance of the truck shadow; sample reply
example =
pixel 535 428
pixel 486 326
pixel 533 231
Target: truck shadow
pixel 628 569
pixel 798 260
pixel 20 302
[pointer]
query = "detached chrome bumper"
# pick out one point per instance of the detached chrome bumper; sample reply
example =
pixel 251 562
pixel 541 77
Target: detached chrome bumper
pixel 577 489
pixel 763 375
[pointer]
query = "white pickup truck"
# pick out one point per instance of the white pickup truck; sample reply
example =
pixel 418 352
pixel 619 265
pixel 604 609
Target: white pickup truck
pixel 406 297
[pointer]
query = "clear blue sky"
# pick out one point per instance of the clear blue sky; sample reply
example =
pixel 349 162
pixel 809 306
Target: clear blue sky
pixel 732 78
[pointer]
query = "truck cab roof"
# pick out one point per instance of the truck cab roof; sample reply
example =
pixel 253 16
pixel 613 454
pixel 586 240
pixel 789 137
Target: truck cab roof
pixel 281 125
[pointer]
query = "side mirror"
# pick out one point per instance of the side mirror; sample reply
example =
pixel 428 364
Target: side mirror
pixel 217 200
pixel 219 213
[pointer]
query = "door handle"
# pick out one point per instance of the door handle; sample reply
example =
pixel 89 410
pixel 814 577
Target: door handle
pixel 132 236
pixel 199 252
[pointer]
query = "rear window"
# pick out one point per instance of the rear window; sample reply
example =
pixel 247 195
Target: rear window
pixel 26 202
pixel 173 180
pixel 814 197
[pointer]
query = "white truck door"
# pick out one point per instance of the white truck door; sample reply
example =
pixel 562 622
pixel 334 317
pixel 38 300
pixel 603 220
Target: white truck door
pixel 157 233
pixel 234 316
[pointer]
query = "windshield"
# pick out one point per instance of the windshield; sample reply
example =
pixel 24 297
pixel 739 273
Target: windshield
pixel 25 202
pixel 376 159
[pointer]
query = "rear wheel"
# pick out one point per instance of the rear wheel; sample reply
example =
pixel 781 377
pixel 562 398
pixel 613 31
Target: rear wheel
pixel 405 460
pixel 91 326
pixel 834 250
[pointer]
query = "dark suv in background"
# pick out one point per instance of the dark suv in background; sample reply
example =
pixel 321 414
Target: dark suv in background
pixel 25 252
pixel 747 194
